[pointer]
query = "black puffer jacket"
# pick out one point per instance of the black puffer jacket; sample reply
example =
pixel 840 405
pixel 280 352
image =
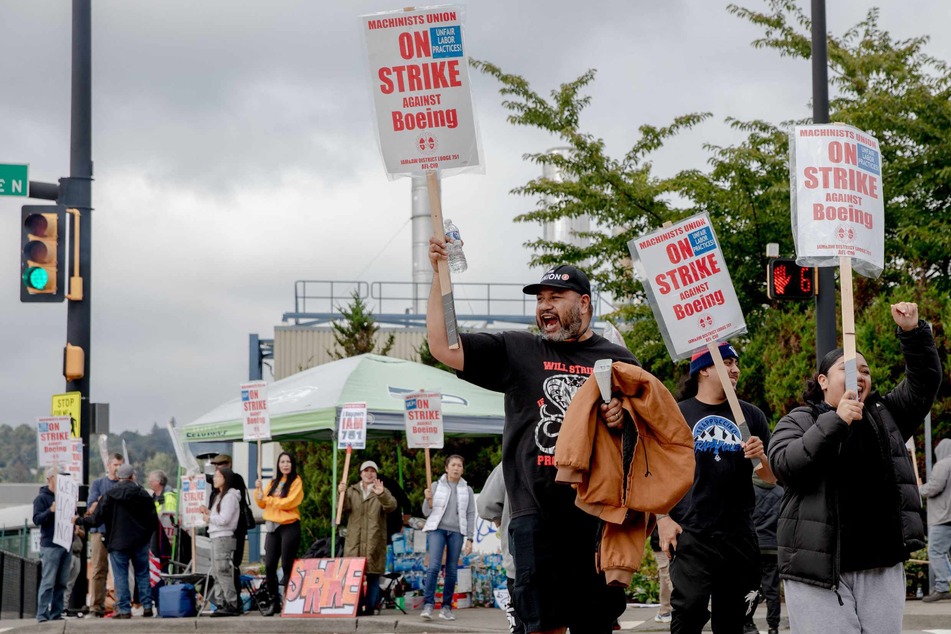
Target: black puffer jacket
pixel 806 454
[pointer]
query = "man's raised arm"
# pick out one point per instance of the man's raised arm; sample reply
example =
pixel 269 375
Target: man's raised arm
pixel 435 318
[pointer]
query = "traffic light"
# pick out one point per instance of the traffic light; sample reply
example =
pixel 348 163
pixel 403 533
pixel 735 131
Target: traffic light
pixel 42 253
pixel 787 280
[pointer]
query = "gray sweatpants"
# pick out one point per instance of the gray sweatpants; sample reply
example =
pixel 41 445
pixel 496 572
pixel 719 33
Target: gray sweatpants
pixel 873 603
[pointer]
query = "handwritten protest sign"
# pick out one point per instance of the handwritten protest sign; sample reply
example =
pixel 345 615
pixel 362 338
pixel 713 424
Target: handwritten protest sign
pixel 54 442
pixel 424 425
pixel 838 206
pixel 66 495
pixel 257 423
pixel 353 426
pixel 324 587
pixel 688 285
pixel 194 495
pixel 419 78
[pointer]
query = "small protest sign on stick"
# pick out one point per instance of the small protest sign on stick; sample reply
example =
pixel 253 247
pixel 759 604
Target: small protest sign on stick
pixel 351 434
pixel 424 425
pixel 691 294
pixel 257 421
pixel 419 79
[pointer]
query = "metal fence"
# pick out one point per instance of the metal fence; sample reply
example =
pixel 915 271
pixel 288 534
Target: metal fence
pixel 19 583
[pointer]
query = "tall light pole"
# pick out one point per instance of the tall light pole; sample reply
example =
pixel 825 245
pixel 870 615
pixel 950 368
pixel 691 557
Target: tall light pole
pixel 825 292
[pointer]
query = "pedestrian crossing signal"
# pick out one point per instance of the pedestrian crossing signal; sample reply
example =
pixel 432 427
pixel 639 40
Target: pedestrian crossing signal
pixel 787 280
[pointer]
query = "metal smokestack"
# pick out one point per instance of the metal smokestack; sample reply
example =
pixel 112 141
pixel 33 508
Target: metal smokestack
pixel 564 229
pixel 422 230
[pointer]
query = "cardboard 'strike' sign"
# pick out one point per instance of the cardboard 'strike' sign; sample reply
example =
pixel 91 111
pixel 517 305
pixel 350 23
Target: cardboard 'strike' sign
pixel 837 204
pixel 257 423
pixel 194 496
pixel 54 441
pixel 419 78
pixel 325 587
pixel 424 427
pixel 67 495
pixel 353 426
pixel 688 285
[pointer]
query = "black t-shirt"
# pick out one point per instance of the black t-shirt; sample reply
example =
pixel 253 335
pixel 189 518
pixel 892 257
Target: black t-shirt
pixel 721 499
pixel 539 379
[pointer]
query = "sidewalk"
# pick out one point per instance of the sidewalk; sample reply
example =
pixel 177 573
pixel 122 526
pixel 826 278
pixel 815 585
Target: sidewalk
pixel 918 616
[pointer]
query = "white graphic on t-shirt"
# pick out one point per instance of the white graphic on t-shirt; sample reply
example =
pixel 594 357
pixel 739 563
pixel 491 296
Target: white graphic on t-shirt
pixel 717 434
pixel 559 390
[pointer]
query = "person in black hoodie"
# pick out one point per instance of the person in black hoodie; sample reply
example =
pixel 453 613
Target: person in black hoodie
pixel 769 496
pixel 55 559
pixel 851 512
pixel 129 514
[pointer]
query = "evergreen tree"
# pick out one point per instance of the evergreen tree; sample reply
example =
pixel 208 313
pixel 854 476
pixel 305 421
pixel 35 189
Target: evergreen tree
pixel 356 334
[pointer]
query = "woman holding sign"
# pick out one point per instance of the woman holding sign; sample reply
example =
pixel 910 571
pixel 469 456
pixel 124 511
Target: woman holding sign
pixel 281 506
pixel 450 509
pixel 850 514
pixel 222 520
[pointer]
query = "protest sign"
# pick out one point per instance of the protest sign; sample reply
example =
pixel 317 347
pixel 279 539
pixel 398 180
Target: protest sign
pixel 74 465
pixel 257 423
pixel 54 442
pixel 66 495
pixel 324 587
pixel 423 415
pixel 419 78
pixel 688 285
pixel 424 427
pixel 194 496
pixel 838 206
pixel 691 294
pixel 352 431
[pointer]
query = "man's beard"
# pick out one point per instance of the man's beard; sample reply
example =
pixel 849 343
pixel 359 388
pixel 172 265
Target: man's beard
pixel 570 326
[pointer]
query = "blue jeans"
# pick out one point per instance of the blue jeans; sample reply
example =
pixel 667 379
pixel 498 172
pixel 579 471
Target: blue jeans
pixel 120 573
pixel 50 598
pixel 939 545
pixel 438 541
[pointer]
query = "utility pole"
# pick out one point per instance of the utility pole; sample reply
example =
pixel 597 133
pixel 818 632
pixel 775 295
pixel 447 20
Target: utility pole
pixel 825 295
pixel 76 193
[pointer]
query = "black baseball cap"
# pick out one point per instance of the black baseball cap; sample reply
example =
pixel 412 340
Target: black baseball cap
pixel 562 276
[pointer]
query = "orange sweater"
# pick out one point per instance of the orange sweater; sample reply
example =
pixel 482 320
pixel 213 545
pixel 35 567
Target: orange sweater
pixel 660 472
pixel 282 510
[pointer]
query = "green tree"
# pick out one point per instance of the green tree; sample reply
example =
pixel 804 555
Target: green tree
pixel 356 333
pixel 890 88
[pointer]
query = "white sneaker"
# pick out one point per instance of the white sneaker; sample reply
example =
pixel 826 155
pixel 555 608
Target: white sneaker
pixel 662 618
pixel 446 614
pixel 427 613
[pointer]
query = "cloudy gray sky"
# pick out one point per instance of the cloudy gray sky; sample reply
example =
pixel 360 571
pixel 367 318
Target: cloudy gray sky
pixel 235 153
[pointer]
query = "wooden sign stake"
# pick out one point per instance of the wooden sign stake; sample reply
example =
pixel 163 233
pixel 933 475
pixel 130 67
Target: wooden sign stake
pixel 714 349
pixel 442 266
pixel 343 480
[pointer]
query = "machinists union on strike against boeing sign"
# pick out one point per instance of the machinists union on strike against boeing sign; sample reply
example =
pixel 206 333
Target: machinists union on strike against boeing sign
pixel 838 207
pixel 419 77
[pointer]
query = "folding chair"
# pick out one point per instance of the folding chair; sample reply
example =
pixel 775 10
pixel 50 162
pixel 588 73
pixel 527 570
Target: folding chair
pixel 391 587
pixel 261 599
pixel 197 573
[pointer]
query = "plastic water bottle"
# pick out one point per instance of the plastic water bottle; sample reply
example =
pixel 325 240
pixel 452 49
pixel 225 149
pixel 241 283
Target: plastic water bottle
pixel 457 259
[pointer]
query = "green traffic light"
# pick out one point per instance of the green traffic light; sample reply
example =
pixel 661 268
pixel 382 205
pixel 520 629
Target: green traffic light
pixel 36 278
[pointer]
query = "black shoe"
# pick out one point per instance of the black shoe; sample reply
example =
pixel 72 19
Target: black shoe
pixel 98 613
pixel 774 630
pixel 224 612
pixel 937 596
pixel 270 610
pixel 750 628
pixel 148 613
